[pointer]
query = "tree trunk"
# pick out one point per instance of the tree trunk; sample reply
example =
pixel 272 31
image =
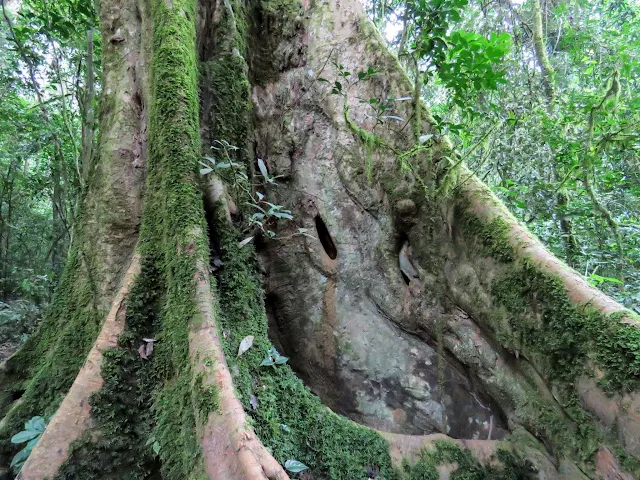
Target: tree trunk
pixel 404 294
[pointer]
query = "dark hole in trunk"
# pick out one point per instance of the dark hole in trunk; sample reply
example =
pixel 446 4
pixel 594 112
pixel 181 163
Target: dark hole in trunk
pixel 325 238
pixel 16 395
pixel 401 241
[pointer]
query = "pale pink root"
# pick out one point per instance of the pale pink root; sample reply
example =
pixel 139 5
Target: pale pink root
pixel 409 447
pixel 73 418
pixel 487 208
pixel 230 447
pixel 621 411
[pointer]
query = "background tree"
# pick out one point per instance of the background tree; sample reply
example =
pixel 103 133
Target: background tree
pixel 44 101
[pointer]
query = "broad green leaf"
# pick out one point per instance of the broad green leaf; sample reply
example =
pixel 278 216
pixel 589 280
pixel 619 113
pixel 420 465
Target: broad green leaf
pixel 294 466
pixel 20 457
pixel 36 423
pixel 25 436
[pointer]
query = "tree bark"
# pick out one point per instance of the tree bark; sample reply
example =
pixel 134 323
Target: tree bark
pixel 490 336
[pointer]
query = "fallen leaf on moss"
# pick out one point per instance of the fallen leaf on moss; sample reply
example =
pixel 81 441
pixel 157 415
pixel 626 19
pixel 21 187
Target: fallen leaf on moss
pixel 142 351
pixel 245 344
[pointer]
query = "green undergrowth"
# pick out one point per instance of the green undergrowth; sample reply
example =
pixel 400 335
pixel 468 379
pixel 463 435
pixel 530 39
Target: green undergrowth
pixel 532 313
pixel 41 372
pixel 509 465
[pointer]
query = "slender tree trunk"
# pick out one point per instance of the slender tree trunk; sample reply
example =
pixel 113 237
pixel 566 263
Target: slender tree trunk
pixel 539 46
pixel 3 230
pixel 88 120
pixel 57 229
pixel 416 310
pixel 7 231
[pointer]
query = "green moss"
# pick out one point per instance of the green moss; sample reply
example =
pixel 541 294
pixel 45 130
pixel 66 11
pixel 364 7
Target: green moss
pixel 273 23
pixel 174 150
pixel 175 431
pixel 43 370
pixel 509 465
pixel 492 239
pixel 369 141
pixel 532 314
pixel 206 396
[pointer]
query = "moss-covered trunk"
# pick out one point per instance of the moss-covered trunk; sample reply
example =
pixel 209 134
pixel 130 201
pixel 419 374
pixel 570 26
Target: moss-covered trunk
pixel 438 337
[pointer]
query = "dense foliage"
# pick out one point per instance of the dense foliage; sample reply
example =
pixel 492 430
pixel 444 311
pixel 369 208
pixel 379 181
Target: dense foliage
pixel 45 132
pixel 542 124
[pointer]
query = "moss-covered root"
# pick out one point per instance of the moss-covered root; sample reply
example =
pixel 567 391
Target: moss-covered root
pixel 608 348
pixel 229 445
pixel 440 457
pixel 487 208
pixel 73 418
pixel 411 450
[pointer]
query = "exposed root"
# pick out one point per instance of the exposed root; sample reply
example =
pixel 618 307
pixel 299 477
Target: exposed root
pixel 230 447
pixel 73 418
pixel 409 447
pixel 487 208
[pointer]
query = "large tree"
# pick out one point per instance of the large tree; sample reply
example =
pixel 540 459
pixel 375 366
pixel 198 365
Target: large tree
pixel 244 193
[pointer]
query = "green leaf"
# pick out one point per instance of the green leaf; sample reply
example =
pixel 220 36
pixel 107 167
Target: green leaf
pixel 263 169
pixel 294 466
pixel 267 362
pixel 281 360
pixel 20 458
pixel 36 423
pixel 25 436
